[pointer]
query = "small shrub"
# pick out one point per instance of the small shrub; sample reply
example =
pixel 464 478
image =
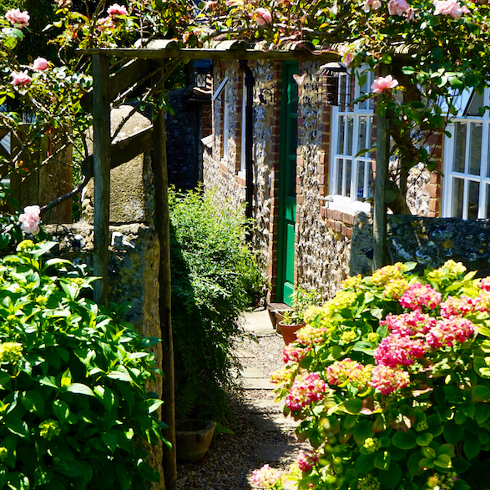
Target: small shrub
pixel 214 277
pixel 390 383
pixel 74 411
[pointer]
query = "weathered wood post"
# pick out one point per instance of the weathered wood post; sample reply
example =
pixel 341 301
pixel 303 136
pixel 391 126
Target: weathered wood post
pixel 382 158
pixel 159 163
pixel 102 174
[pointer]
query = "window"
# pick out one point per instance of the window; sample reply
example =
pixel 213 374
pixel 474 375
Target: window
pixel 226 123
pixel 466 192
pixel 350 176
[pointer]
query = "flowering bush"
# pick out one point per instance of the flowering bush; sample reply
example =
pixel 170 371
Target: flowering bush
pixel 74 408
pixel 394 390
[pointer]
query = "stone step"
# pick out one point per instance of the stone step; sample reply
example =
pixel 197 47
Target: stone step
pixel 257 384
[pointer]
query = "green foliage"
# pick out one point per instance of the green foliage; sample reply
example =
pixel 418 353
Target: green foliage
pixel 74 409
pixel 302 300
pixel 390 381
pixel 214 276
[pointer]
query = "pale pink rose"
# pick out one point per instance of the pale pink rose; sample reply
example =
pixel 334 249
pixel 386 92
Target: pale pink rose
pixel 262 16
pixel 30 220
pixel 40 64
pixel 20 78
pixel 234 3
pixel 450 7
pixel 347 54
pixel 105 23
pixel 371 5
pixel 398 7
pixel 64 3
pixel 117 10
pixel 15 16
pixel 383 83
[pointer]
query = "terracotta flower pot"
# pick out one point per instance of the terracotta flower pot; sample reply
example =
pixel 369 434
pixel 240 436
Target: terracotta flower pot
pixel 193 438
pixel 289 332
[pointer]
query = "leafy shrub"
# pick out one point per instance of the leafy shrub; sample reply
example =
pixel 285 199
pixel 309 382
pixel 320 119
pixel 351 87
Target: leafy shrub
pixel 74 410
pixel 390 381
pixel 214 276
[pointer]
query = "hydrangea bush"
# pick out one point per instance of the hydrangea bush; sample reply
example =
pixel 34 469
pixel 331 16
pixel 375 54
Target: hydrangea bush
pixel 74 408
pixel 390 383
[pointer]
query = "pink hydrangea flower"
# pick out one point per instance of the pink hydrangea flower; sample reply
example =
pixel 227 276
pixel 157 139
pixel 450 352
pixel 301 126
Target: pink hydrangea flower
pixel 458 306
pixel 371 5
pixel 383 83
pixel 117 10
pixel 15 16
pixel 342 371
pixel 30 220
pixel 420 295
pixel 265 477
pixel 262 16
pixel 105 23
pixel 398 7
pixel 386 380
pixel 40 64
pixel 307 461
pixel 305 391
pixel 295 354
pixel 409 324
pixel 397 350
pixel 20 78
pixel 482 302
pixel 485 283
pixel 450 7
pixel 449 330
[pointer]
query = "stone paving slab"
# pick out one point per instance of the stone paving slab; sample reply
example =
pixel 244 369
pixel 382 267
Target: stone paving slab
pixel 243 354
pixel 257 384
pixel 274 422
pixel 253 373
pixel 284 453
pixel 265 405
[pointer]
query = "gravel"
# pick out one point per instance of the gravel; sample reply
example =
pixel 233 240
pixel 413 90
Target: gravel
pixel 231 459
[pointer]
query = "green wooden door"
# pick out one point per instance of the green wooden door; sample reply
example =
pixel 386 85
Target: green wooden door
pixel 287 182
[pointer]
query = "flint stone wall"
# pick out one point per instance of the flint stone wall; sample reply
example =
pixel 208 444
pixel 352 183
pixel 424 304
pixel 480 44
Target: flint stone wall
pixel 427 241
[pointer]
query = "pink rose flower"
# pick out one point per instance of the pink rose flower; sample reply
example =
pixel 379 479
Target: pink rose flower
pixel 265 477
pixel 383 83
pixel 450 7
pixel 306 461
pixel 398 7
pixel 20 78
pixel 15 16
pixel 105 23
pixel 117 10
pixel 262 16
pixel 40 64
pixel 347 54
pixel 371 5
pixel 64 3
pixel 30 220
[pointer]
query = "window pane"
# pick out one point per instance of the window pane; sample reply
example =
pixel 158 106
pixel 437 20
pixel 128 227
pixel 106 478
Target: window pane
pixel 474 104
pixel 340 169
pixel 473 198
pixel 360 180
pixel 459 146
pixel 458 190
pixel 362 138
pixel 350 131
pixel 348 176
pixel 340 143
pixel 476 130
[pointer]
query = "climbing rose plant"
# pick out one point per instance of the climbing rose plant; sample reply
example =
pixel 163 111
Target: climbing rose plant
pixel 390 383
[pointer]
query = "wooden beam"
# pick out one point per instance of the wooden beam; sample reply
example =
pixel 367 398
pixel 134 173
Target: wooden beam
pixel 382 158
pixel 221 54
pixel 126 76
pixel 102 173
pixel 162 223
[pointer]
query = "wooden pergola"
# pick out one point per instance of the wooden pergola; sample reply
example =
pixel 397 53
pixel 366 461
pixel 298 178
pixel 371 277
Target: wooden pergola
pixel 107 156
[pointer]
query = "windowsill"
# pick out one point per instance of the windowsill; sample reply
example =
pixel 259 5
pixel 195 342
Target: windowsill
pixel 241 174
pixel 345 205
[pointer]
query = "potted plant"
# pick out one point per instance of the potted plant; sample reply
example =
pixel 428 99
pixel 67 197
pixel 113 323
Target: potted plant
pixel 294 319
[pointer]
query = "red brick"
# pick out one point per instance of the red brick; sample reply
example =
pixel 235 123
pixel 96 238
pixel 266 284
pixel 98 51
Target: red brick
pixel 337 215
pixel 348 219
pixel 338 227
pixel 323 212
pixel 300 199
pixel 346 231
pixel 329 213
pixel 434 206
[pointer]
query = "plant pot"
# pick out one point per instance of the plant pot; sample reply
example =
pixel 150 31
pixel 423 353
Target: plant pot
pixel 192 438
pixel 289 332
pixel 277 316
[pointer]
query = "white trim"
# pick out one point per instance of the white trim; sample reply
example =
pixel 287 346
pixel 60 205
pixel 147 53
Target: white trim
pixel 219 89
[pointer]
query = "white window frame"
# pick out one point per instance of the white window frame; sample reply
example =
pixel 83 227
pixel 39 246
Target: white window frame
pixel 451 176
pixel 346 197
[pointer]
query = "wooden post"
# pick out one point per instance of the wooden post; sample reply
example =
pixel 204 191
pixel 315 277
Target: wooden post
pixel 159 163
pixel 382 158
pixel 102 175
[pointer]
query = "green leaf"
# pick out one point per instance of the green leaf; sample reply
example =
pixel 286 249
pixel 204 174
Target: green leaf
pixel 453 433
pixel 443 461
pixel 471 448
pixel 154 405
pixel 362 431
pixel 66 379
pixel 110 440
pixel 18 427
pixel 382 460
pixel 123 477
pixel 424 439
pixel 120 376
pixel 42 476
pixel 72 469
pixel 390 478
pixel 80 389
pixel 353 406
pixel 480 393
pixel 61 410
pixel 148 472
pixel 365 463
pixel 32 401
pixel 429 452
pixel 405 440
